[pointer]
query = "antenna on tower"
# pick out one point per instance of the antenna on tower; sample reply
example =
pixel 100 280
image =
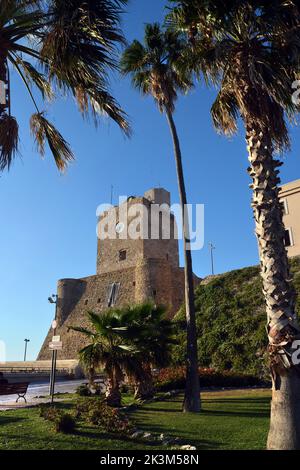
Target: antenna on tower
pixel 111 194
pixel 212 248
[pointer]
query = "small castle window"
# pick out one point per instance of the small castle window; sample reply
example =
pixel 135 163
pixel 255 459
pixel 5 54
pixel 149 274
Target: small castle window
pixel 154 292
pixel 122 255
pixel 86 302
pixel 133 283
pixel 113 292
pixel 99 301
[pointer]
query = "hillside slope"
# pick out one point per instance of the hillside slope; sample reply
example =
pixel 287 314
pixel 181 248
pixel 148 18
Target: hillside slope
pixel 231 321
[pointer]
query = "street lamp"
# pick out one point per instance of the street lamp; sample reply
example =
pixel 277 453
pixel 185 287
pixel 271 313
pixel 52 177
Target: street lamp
pixel 53 300
pixel 212 248
pixel 25 352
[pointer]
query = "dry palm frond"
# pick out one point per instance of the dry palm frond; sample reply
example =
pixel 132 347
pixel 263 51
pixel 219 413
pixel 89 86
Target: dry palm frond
pixel 96 101
pixel 225 112
pixel 9 139
pixel 34 76
pixel 43 131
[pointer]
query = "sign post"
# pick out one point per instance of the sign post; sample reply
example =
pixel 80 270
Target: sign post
pixel 54 346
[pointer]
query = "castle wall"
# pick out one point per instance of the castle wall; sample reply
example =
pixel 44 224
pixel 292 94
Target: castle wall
pixel 151 279
pixel 94 298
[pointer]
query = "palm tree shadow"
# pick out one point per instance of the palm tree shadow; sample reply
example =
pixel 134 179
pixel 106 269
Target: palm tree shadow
pixel 9 420
pixel 259 413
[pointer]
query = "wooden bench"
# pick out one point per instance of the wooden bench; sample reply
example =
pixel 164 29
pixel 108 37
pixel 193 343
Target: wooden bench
pixel 19 389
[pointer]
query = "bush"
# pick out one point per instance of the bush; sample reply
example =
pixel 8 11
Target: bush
pixel 65 423
pixel 174 378
pixel 49 412
pixel 83 391
pixel 98 413
pixel 231 319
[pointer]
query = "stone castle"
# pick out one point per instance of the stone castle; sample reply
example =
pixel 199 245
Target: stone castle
pixel 129 271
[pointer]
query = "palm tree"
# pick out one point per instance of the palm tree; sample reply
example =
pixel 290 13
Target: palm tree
pixel 108 351
pixel 57 46
pixel 251 50
pixel 156 70
pixel 151 333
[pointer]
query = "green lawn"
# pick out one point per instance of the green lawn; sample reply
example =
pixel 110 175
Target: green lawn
pixel 229 420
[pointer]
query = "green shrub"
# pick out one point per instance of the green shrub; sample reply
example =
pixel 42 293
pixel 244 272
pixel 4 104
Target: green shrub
pixel 65 423
pixel 83 390
pixel 98 413
pixel 49 412
pixel 174 379
pixel 231 320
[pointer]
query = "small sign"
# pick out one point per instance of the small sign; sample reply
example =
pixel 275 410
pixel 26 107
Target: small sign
pixel 54 324
pixel 55 346
pixel 56 339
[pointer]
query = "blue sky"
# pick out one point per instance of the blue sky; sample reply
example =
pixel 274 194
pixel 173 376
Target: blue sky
pixel 48 222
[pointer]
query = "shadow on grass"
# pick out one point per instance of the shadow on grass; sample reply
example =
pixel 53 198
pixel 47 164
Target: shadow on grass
pixel 259 413
pixel 251 400
pixel 9 419
pixel 113 437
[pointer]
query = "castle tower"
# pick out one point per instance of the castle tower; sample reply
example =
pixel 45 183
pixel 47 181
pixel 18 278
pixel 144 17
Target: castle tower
pixel 137 260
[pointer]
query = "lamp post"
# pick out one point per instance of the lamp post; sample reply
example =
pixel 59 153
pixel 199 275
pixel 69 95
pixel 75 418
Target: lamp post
pixel 53 300
pixel 212 248
pixel 25 352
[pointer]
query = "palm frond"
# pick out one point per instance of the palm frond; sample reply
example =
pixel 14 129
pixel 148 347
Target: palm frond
pixel 84 331
pixel 225 112
pixel 9 139
pixel 65 46
pixel 43 131
pixel 156 67
pixel 97 102
pixel 34 76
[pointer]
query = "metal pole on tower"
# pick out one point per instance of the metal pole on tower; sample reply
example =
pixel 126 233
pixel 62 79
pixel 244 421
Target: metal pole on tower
pixel 212 248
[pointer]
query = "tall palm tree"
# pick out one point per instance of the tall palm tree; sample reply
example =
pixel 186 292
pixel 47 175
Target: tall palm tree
pixel 155 70
pixel 251 50
pixel 107 350
pixel 151 334
pixel 57 46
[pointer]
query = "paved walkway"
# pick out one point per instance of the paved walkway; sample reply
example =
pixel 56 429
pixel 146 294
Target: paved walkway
pixel 37 394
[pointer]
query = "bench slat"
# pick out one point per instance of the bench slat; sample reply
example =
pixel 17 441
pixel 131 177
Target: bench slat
pixel 14 389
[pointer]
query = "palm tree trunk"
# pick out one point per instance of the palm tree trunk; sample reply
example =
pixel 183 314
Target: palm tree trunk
pixel 113 394
pixel 278 290
pixel 192 401
pixel 3 78
pixel 144 388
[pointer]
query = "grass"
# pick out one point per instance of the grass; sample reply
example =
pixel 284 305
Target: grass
pixel 229 420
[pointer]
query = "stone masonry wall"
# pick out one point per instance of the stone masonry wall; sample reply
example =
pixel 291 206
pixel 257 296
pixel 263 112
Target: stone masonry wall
pixel 151 280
